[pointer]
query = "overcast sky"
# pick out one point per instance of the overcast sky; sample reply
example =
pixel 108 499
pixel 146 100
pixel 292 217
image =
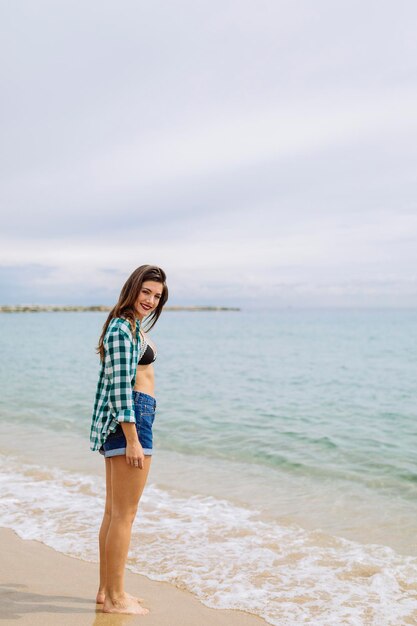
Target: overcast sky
pixel 262 152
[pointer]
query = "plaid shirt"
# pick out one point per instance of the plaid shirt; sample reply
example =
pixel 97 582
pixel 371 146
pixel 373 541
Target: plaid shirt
pixel 114 398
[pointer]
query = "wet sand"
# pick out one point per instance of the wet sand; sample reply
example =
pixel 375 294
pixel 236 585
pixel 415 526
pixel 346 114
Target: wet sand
pixel 39 586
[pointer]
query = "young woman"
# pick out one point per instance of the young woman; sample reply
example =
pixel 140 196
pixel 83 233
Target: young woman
pixel 121 428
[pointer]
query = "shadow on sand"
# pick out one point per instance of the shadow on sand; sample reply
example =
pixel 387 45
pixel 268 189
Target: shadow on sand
pixel 15 602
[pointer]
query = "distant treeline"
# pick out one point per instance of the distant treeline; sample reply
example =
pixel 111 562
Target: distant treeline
pixel 37 308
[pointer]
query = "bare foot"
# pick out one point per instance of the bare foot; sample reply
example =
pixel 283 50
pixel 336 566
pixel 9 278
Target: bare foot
pixel 101 595
pixel 125 604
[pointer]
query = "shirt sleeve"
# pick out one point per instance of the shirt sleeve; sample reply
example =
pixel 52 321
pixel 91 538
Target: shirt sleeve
pixel 117 364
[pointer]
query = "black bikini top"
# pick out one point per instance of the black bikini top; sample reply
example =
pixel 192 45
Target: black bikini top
pixel 149 354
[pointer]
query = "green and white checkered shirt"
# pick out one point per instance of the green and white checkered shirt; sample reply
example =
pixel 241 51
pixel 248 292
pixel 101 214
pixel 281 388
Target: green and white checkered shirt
pixel 114 398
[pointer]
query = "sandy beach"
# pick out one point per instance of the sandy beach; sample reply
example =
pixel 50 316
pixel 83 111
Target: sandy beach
pixel 41 586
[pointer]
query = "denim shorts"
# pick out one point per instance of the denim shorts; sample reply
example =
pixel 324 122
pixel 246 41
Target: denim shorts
pixel 145 405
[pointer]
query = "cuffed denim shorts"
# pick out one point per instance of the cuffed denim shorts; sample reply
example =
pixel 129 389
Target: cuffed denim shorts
pixel 145 405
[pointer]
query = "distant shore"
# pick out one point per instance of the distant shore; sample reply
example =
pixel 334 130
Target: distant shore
pixel 51 308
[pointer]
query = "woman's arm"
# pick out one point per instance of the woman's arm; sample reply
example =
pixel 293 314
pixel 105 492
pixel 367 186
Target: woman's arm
pixel 117 365
pixel 134 450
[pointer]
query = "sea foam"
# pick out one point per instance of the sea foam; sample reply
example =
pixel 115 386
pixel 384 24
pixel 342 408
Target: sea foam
pixel 225 554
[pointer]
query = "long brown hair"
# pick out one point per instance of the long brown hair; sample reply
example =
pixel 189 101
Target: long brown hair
pixel 129 294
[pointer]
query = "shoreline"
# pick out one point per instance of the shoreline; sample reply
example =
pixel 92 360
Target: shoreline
pixel 33 594
pixel 51 308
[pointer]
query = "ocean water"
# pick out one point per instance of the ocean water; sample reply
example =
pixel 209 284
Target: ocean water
pixel 284 475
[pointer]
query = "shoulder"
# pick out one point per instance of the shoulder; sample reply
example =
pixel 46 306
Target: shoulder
pixel 118 326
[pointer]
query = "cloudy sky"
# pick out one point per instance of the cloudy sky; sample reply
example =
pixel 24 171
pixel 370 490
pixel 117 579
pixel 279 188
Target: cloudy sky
pixel 261 152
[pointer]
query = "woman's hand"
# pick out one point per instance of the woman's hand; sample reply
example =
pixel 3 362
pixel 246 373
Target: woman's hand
pixel 134 451
pixel 134 454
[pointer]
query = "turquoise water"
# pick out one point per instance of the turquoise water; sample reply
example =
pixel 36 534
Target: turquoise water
pixel 305 417
pixel 323 393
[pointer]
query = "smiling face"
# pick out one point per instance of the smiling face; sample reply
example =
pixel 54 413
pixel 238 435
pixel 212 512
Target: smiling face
pixel 149 296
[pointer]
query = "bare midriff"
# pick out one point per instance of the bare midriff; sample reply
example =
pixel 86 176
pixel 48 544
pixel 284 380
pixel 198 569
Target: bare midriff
pixel 145 379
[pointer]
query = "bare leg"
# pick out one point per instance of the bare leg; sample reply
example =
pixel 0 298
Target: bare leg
pixel 103 535
pixel 127 484
pixel 101 594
